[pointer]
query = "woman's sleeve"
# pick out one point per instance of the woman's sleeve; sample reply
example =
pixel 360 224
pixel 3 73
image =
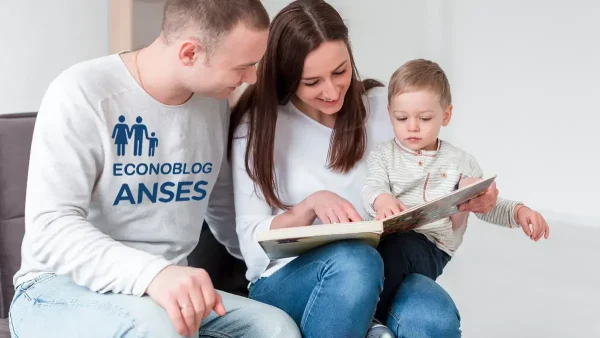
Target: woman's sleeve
pixel 253 214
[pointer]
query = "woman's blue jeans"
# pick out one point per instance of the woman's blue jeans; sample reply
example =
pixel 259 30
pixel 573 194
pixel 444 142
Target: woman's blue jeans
pixel 331 291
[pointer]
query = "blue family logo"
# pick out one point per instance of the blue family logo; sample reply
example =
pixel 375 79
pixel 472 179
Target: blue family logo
pixel 187 188
pixel 122 134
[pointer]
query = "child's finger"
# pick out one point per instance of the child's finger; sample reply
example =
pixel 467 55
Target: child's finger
pixel 525 225
pixel 539 227
pixel 543 226
pixel 546 227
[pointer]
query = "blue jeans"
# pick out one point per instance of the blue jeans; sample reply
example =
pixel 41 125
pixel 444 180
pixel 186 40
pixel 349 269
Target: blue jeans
pixel 422 308
pixel 330 291
pixel 54 306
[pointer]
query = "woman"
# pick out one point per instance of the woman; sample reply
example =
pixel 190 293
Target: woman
pixel 299 139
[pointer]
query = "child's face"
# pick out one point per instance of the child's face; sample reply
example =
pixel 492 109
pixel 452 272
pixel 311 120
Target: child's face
pixel 417 118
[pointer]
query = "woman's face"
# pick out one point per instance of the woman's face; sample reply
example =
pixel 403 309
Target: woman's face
pixel 326 76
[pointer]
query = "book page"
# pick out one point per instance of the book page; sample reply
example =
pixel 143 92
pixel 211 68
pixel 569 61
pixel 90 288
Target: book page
pixel 434 210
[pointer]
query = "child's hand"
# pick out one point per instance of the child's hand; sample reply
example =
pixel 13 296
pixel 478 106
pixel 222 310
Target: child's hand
pixel 483 203
pixel 526 217
pixel 387 205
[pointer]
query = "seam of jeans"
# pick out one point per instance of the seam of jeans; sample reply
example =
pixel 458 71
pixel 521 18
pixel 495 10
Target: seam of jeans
pixel 121 314
pixel 214 334
pixel 12 327
pixel 397 319
pixel 310 304
pixel 39 279
pixel 256 292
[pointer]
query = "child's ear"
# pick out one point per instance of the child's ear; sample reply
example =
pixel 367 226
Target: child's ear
pixel 447 116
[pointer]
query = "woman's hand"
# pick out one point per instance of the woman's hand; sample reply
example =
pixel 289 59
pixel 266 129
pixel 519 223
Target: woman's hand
pixel 483 203
pixel 331 208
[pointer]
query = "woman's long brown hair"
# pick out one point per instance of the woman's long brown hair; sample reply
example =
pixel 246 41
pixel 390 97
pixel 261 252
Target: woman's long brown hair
pixel 298 29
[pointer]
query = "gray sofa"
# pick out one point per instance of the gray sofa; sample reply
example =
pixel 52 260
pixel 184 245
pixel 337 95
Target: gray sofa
pixel 15 143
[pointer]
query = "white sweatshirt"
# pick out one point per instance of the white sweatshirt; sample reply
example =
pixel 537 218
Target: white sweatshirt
pixel 119 184
pixel 301 148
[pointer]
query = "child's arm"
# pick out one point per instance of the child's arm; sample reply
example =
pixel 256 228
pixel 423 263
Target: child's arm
pixel 508 213
pixel 376 194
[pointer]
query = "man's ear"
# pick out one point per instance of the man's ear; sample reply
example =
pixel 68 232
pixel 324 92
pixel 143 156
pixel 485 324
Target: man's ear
pixel 190 52
pixel 447 116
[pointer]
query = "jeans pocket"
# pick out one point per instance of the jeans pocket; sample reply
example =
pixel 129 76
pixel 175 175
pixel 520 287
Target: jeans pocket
pixel 30 284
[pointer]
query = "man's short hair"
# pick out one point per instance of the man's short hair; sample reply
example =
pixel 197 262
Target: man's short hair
pixel 211 18
pixel 420 74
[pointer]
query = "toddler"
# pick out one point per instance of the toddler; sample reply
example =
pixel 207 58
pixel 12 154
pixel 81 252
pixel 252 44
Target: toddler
pixel 415 167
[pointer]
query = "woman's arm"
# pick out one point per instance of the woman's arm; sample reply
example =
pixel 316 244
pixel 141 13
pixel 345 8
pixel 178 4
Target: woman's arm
pixel 301 214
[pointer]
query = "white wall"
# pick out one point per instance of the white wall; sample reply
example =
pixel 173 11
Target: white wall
pixel 526 85
pixel 147 20
pixel 385 33
pixel 524 76
pixel 525 81
pixel 40 39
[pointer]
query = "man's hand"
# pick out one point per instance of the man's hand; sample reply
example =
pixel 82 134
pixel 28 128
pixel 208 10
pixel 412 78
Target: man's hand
pixel 387 205
pixel 188 296
pixel 483 203
pixel 529 219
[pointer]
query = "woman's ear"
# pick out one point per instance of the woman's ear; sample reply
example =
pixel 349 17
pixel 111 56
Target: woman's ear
pixel 447 116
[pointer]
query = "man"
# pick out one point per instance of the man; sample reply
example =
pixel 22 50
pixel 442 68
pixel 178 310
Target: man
pixel 108 227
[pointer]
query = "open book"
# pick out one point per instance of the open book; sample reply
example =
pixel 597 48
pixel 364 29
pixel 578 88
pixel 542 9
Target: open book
pixel 290 242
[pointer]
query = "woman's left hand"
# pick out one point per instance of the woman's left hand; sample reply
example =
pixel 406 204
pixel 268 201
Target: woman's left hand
pixel 483 203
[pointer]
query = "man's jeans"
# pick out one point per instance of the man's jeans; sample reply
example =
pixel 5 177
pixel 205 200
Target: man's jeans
pixel 330 291
pixel 54 306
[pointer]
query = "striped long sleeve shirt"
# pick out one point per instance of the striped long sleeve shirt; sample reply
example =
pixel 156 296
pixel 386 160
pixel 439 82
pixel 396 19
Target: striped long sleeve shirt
pixel 415 177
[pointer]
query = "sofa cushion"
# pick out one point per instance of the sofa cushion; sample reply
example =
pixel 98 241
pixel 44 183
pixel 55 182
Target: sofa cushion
pixel 16 131
pixel 4 331
pixel 11 232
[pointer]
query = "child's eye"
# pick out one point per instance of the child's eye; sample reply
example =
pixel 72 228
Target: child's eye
pixel 426 118
pixel 401 118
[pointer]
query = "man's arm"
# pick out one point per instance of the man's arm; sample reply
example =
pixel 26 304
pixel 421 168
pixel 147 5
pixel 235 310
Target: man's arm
pixel 66 160
pixel 220 214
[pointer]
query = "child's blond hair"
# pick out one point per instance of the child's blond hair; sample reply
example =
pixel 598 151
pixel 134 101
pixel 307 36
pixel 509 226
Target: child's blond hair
pixel 420 74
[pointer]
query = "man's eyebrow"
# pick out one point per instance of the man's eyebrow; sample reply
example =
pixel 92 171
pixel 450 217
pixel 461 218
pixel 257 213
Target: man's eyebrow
pixel 316 77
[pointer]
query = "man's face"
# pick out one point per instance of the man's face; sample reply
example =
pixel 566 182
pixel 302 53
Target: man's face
pixel 231 63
